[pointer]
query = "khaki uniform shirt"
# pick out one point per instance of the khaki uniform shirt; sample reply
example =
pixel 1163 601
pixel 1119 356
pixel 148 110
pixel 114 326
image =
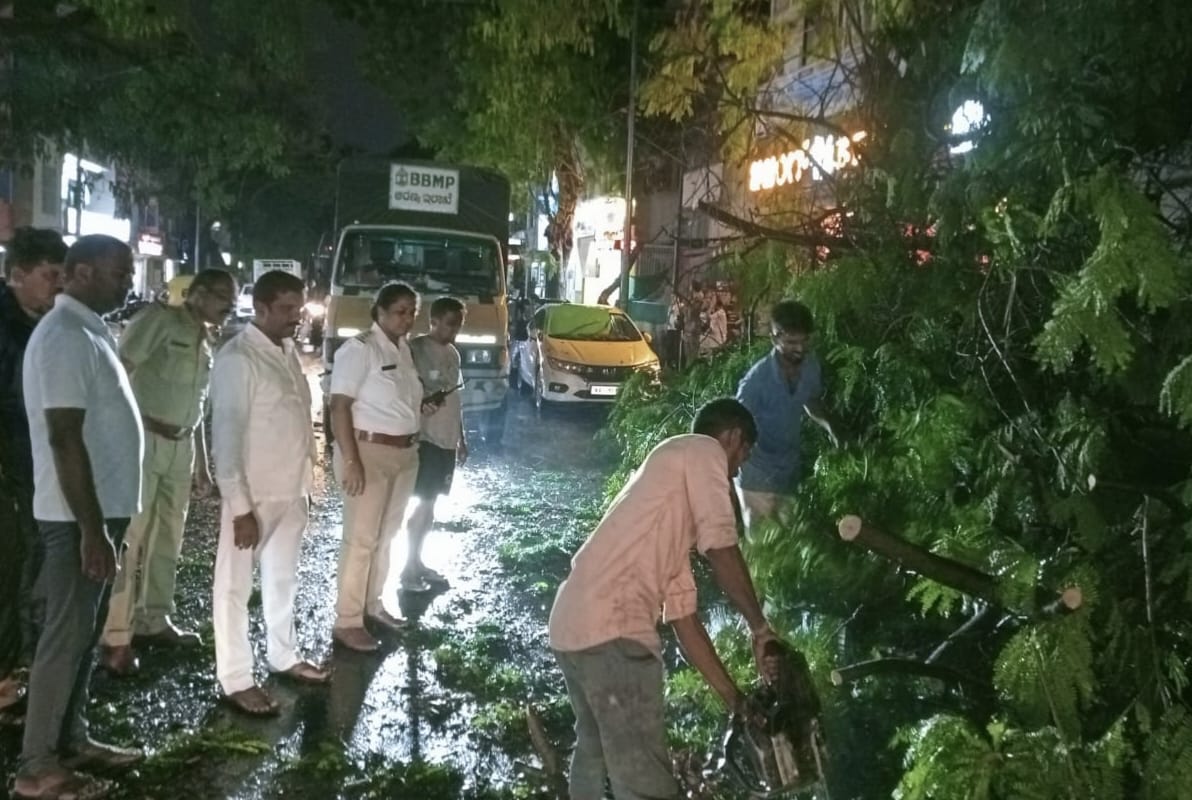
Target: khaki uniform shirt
pixel 169 354
pixel 635 568
pixel 439 369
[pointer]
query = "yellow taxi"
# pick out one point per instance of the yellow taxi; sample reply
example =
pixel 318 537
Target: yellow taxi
pixel 177 287
pixel 581 353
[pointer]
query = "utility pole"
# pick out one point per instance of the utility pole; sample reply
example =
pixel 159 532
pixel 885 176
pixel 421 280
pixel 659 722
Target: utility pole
pixel 531 232
pixel 198 212
pixel 678 233
pixel 627 238
pixel 80 183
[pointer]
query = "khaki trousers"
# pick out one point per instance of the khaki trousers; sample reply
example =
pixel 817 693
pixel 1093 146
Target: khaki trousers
pixel 143 594
pixel 371 521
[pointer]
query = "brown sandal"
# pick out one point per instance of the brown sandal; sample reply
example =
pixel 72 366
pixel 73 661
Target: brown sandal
pixel 66 786
pixel 254 702
pixel 305 672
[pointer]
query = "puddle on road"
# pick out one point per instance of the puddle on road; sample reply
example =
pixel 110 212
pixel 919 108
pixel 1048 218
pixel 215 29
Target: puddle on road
pixel 440 712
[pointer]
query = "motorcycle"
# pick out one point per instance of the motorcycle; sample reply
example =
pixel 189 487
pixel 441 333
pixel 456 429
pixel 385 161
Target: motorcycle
pixel 118 319
pixel 310 329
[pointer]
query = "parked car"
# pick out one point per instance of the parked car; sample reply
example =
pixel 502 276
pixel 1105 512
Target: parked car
pixel 580 353
pixel 244 307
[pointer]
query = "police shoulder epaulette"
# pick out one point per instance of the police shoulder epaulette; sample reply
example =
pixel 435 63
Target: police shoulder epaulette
pixel 364 336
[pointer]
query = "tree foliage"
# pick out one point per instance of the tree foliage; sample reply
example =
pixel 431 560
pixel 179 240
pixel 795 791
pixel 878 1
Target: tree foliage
pixel 187 99
pixel 536 89
pixel 1007 340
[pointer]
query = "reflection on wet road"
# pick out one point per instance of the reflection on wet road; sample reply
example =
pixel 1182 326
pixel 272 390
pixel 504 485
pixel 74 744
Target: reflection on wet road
pixel 416 702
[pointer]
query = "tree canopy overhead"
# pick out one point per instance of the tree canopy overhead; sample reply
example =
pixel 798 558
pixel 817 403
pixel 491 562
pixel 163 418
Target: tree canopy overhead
pixel 187 96
pixel 1006 334
pixel 536 89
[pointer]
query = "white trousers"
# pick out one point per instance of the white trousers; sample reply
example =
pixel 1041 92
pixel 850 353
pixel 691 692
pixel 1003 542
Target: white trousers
pixel 282 523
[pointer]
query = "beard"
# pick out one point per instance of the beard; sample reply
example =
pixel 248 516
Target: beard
pixel 794 359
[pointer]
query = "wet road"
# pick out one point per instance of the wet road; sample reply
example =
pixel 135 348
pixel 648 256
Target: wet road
pixel 440 711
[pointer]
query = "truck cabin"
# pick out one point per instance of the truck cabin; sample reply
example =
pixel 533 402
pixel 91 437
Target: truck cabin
pixel 434 263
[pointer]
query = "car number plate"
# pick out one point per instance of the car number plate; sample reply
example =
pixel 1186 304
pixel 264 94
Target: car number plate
pixel 604 391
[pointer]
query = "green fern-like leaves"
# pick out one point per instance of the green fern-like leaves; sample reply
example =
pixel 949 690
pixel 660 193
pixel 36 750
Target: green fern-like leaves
pixel 948 758
pixel 1045 673
pixel 1176 395
pixel 1132 257
pixel 1169 759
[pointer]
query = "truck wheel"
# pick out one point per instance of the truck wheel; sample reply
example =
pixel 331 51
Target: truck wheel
pixel 493 423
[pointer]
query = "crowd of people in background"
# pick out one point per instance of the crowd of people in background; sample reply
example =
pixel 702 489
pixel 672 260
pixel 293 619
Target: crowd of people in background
pixel 104 446
pixel 697 325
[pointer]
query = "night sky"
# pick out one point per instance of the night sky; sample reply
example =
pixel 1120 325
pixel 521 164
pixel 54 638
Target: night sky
pixel 357 114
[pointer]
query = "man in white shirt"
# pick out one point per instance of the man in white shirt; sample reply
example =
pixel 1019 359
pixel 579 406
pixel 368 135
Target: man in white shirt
pixel 443 443
pixel 264 451
pixel 87 442
pixel 635 570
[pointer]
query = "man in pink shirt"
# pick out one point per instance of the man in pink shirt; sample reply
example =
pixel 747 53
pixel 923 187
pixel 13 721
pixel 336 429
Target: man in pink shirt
pixel 634 570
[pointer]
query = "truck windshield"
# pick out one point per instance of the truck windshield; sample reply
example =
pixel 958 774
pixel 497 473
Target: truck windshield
pixel 429 262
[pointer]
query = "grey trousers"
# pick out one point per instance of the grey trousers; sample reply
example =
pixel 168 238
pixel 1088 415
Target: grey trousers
pixel 55 722
pixel 616 692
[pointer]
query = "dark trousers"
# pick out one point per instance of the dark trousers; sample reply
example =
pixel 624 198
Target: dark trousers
pixel 55 723
pixel 19 608
pixel 671 340
pixel 616 690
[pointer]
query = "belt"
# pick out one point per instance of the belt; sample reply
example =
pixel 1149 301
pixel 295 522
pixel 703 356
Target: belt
pixel 165 430
pixel 406 440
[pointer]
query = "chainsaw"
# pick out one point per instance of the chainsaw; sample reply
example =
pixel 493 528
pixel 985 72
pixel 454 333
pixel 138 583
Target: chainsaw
pixel 775 748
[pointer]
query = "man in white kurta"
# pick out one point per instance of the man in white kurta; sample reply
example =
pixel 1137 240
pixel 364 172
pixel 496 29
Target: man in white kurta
pixel 264 451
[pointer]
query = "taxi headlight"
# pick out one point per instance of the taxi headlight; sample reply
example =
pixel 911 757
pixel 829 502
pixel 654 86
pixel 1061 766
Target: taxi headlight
pixel 564 366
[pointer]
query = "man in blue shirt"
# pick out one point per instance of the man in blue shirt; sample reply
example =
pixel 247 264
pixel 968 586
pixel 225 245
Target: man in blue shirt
pixel 778 390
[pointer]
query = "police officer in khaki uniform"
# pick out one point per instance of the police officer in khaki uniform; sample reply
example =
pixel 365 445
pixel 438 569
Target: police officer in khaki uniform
pixel 376 408
pixel 167 351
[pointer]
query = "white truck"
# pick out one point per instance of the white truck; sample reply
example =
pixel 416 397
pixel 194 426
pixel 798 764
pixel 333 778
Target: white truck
pixel 262 265
pixel 244 307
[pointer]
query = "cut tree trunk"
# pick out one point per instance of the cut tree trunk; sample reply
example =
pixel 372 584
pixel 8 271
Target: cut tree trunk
pixel 900 666
pixel 946 571
pixel 919 560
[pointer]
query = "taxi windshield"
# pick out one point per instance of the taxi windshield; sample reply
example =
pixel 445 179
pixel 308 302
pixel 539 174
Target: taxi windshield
pixel 437 263
pixel 587 324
